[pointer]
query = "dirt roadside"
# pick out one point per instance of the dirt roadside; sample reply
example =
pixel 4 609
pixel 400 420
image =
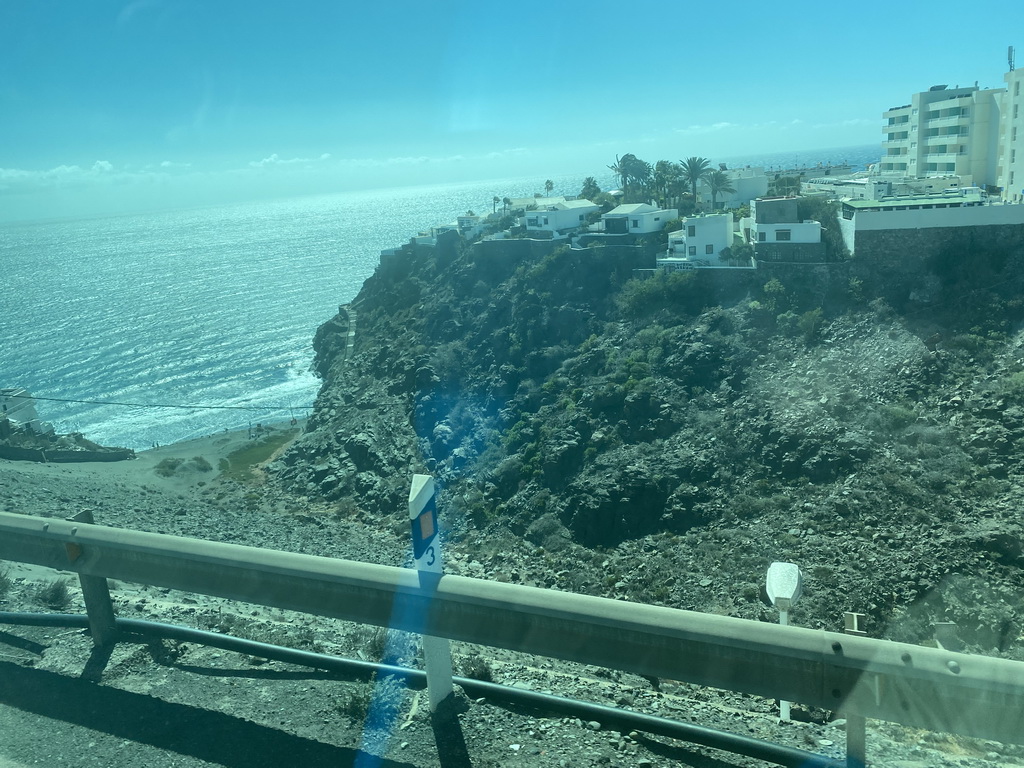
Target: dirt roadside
pixel 170 704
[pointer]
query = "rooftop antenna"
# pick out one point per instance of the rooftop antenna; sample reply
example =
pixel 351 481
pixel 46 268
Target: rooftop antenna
pixel 1009 57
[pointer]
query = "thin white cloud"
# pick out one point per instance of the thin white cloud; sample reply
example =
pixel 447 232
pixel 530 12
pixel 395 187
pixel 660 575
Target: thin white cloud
pixel 406 160
pixel 513 152
pixel 18 179
pixel 276 159
pixel 714 127
pixel 852 123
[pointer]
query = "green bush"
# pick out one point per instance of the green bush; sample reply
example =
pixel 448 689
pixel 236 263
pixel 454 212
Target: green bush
pixel 678 291
pixel 475 666
pixel 201 464
pixel 168 467
pixel 54 594
pixel 354 702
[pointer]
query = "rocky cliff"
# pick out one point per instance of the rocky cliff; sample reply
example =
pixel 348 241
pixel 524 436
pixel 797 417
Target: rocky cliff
pixel 665 439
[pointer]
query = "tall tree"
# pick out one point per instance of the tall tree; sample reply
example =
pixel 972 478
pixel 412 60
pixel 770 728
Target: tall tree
pixel 590 189
pixel 694 169
pixel 495 202
pixel 667 179
pixel 506 202
pixel 641 174
pixel 549 185
pixel 718 183
pixel 622 168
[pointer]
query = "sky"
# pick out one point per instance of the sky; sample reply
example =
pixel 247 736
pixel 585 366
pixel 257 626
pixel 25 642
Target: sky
pixel 109 107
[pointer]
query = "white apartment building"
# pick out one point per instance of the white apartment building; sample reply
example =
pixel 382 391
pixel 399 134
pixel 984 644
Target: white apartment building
pixel 944 131
pixel 974 134
pixel 1011 138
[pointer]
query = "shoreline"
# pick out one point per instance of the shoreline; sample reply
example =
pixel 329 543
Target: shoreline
pixel 178 473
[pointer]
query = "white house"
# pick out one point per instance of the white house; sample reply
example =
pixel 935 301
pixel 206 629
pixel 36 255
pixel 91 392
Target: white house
pixel 699 243
pixel 775 220
pixel 748 183
pixel 637 219
pixel 533 203
pixel 561 216
pixel 777 234
pixel 469 224
pixel 703 237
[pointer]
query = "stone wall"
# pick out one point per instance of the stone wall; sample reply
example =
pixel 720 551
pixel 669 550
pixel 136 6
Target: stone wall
pixel 909 265
pixel 799 253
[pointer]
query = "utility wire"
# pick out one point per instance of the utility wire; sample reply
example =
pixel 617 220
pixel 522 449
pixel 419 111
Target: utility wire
pixel 167 405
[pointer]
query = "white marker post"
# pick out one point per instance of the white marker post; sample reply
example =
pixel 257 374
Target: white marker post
pixel 784 585
pixel 426 549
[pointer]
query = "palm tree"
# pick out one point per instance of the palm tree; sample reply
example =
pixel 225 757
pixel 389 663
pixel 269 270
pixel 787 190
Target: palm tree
pixel 718 183
pixel 590 189
pixel 506 202
pixel 694 169
pixel 641 174
pixel 494 206
pixel 549 185
pixel 667 175
pixel 622 168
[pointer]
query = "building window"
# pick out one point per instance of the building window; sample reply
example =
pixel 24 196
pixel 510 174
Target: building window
pixel 1013 155
pixel 693 250
pixel 1016 109
pixel 532 222
pixel 762 236
pixel 1016 88
pixel 635 223
pixel 691 230
pixel 709 248
pixel 783 234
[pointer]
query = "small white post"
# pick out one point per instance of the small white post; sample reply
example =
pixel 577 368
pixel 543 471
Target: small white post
pixel 784 586
pixel 784 706
pixel 856 725
pixel 426 550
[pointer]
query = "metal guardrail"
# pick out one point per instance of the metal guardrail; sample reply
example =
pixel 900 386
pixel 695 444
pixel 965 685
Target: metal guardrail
pixel 916 686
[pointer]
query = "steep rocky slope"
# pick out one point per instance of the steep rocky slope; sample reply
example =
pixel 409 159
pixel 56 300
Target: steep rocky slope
pixel 665 439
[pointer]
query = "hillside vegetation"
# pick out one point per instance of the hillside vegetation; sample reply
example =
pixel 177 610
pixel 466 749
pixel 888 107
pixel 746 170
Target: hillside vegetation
pixel 664 440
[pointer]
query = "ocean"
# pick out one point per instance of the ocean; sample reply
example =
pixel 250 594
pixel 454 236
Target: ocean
pixel 196 321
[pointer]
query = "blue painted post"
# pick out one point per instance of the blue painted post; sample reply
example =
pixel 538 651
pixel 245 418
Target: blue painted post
pixel 426 549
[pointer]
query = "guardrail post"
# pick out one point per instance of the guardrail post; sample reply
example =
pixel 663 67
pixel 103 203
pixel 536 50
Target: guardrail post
pixel 856 725
pixel 426 549
pixel 96 593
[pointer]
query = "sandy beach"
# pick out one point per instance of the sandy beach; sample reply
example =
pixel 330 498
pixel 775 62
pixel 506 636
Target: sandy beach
pixel 156 467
